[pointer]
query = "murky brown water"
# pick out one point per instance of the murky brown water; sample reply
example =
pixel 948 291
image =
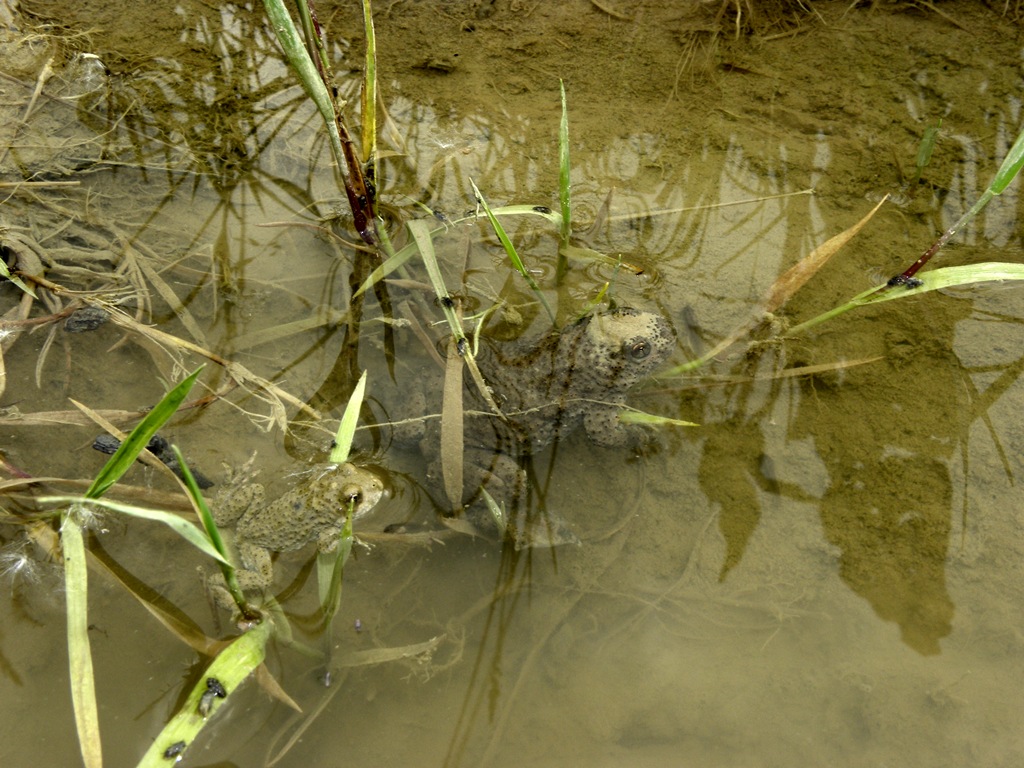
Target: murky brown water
pixel 827 571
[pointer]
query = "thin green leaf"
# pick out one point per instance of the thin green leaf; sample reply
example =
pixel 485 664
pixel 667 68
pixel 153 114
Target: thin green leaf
pixel 1011 166
pixel 510 249
pixel 330 567
pixel 543 212
pixel 952 277
pixel 370 93
pixel 640 417
pixel 133 445
pixel 421 236
pixel 83 684
pixel 191 533
pixel 205 516
pixel 946 277
pixel 499 230
pixel 225 559
pixel 4 271
pixel 390 264
pixel 347 426
pixel 330 573
pixel 306 71
pixel 230 669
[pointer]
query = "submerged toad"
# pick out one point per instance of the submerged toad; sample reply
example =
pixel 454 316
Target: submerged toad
pixel 313 511
pixel 578 377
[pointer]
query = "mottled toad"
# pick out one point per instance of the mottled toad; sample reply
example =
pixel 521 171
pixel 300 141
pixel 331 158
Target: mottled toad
pixel 313 511
pixel 578 377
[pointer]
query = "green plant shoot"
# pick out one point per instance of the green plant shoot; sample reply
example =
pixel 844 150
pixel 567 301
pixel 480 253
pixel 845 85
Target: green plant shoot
pixel 510 249
pixel 83 685
pixel 347 426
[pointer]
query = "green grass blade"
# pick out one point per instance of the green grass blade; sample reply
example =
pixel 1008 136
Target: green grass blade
pixel 422 240
pixel 5 272
pixel 952 277
pixel 390 264
pixel 313 42
pixel 370 95
pixel 421 237
pixel 330 567
pixel 553 217
pixel 510 249
pixel 83 685
pixel 499 230
pixel 132 445
pixel 224 558
pixel 231 667
pixel 1011 166
pixel 946 277
pixel 191 533
pixel 297 55
pixel 347 426
pixel 631 416
pixel 564 191
pixel 205 516
pixel 330 572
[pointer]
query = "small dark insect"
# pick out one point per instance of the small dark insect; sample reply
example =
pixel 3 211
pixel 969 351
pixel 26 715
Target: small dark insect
pixel 439 215
pixel 541 209
pixel 214 686
pixel 904 280
pixel 174 751
pixel 462 346
pixel 446 301
pixel 214 690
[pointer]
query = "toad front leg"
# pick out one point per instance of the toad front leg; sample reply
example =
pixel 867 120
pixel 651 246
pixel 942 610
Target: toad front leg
pixel 604 428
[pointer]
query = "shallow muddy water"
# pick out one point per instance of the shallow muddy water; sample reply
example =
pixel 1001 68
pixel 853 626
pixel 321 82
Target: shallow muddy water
pixel 828 569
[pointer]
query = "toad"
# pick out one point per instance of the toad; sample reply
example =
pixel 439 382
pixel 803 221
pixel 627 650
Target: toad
pixel 313 511
pixel 578 377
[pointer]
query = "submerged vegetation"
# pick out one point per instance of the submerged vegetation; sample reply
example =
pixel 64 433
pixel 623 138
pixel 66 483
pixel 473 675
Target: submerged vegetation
pixel 392 242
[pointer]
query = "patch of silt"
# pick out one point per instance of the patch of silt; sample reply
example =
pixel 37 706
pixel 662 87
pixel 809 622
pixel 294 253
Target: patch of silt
pixel 704 26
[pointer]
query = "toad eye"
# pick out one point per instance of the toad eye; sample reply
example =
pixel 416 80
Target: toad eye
pixel 638 350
